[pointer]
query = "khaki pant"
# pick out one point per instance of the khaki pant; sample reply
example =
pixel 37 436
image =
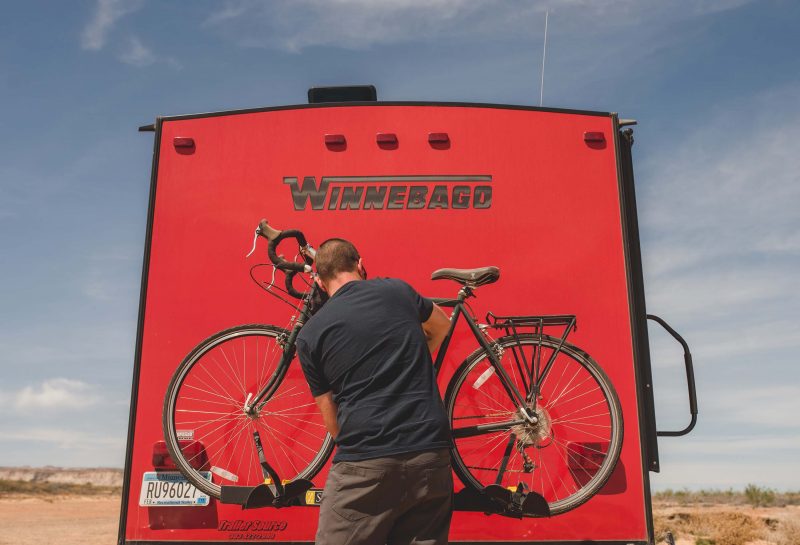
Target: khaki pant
pixel 397 500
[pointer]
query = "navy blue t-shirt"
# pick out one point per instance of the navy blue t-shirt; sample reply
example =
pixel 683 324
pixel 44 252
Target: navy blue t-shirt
pixel 366 345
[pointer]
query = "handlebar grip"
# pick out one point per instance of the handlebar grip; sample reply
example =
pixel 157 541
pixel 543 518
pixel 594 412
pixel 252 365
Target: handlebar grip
pixel 275 237
pixel 268 232
pixel 290 286
pixel 277 260
pixel 291 268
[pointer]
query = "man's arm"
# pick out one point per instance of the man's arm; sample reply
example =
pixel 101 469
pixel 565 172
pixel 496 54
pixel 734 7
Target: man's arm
pixel 328 409
pixel 436 328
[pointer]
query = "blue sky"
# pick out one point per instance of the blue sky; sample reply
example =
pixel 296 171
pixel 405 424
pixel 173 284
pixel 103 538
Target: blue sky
pixel 714 85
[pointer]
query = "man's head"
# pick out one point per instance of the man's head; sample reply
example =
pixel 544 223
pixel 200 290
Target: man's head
pixel 338 262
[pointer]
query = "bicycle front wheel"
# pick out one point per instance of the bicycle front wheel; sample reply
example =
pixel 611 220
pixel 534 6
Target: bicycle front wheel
pixel 208 429
pixel 568 454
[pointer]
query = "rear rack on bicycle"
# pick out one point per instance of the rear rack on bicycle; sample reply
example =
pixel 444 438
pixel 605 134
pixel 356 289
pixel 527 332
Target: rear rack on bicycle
pixel 510 323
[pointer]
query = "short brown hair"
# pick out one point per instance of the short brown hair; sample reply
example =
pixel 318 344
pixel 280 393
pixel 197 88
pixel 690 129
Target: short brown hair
pixel 335 256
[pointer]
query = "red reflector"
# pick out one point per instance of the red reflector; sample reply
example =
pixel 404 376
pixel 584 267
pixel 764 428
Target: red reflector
pixel 594 137
pixel 334 140
pixel 193 451
pixel 386 138
pixel 586 455
pixel 183 142
pixel 438 138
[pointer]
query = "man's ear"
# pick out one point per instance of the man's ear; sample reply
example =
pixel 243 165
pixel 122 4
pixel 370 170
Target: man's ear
pixel 362 271
pixel 319 283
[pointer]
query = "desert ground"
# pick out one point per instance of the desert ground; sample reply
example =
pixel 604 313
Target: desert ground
pixel 57 506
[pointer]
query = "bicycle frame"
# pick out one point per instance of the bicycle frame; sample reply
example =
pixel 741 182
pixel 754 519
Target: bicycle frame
pixel 510 388
pixel 458 311
pixel 536 378
pixel 289 350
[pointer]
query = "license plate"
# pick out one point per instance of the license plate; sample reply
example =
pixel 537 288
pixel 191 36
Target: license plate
pixel 170 488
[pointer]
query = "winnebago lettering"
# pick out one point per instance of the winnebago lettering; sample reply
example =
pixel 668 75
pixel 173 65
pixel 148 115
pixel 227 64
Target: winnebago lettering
pixel 391 192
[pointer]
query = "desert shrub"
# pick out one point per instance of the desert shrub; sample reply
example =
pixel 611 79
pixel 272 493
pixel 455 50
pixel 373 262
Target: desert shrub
pixel 44 488
pixel 752 495
pixel 715 528
pixel 759 496
pixel 734 529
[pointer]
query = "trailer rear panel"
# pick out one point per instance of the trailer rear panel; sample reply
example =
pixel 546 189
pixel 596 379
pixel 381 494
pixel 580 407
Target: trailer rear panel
pixel 538 193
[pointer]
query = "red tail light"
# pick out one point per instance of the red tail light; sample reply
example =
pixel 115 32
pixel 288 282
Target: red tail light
pixel 193 451
pixel 586 455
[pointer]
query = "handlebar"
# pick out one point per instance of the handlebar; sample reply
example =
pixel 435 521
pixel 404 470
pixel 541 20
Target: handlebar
pixel 291 268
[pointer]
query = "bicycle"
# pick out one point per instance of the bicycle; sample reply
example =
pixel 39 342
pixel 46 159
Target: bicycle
pixel 527 410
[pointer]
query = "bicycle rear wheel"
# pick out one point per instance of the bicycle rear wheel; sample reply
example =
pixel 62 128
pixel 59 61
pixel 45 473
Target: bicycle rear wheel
pixel 568 455
pixel 207 429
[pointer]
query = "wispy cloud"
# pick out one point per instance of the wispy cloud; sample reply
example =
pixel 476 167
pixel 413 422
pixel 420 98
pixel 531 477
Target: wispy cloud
pixel 65 438
pixel 768 408
pixel 137 54
pixel 718 213
pixel 104 18
pixel 60 393
pixel 358 24
pixel 719 216
pixel 35 445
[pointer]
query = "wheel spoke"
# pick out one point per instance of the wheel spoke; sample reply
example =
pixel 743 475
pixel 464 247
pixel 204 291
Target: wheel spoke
pixel 209 399
pixel 572 446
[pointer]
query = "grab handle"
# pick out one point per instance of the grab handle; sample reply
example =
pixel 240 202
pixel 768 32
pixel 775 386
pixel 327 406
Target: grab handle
pixel 687 358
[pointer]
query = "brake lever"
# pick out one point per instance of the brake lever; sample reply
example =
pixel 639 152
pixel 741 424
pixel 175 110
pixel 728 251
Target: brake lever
pixel 255 241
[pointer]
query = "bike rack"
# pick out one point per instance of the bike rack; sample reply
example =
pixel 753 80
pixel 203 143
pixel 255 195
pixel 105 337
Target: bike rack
pixel 497 500
pixel 687 359
pixel 271 493
pixel 493 499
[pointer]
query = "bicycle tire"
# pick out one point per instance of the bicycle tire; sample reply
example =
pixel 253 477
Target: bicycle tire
pixel 555 431
pixel 224 389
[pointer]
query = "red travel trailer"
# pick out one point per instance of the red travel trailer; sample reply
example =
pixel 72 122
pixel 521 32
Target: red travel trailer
pixel 546 195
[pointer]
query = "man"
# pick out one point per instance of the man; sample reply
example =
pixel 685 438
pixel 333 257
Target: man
pixel 367 358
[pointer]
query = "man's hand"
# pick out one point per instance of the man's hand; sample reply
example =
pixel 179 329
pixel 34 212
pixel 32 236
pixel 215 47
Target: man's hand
pixel 328 409
pixel 436 328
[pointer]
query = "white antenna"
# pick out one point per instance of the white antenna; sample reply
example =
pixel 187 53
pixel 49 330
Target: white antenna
pixel 544 53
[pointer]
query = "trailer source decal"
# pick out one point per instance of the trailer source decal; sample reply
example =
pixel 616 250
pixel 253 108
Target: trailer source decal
pixel 391 192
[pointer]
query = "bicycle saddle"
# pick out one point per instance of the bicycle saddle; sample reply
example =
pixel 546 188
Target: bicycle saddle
pixel 471 277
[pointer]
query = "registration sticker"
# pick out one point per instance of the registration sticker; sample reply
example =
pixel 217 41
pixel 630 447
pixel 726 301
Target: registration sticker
pixel 314 496
pixel 170 488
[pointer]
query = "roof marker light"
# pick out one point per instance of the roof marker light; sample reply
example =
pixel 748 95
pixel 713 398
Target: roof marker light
pixel 335 140
pixel 594 137
pixel 386 138
pixel 438 138
pixel 183 142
